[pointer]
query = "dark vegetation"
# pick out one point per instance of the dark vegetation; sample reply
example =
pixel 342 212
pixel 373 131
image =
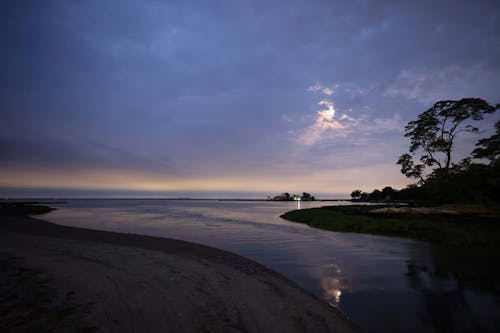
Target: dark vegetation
pixel 433 136
pixel 291 197
pixel 471 231
pixel 23 208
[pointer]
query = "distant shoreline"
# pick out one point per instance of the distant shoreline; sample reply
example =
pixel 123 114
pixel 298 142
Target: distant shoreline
pixel 99 280
pixel 63 199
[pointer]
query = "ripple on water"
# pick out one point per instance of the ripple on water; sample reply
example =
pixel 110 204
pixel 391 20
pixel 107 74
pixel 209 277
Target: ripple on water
pixel 384 284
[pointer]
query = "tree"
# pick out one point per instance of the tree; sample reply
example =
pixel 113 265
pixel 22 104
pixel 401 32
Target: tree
pixel 356 194
pixel 432 135
pixel 375 195
pixel 410 169
pixel 306 197
pixel 489 148
pixel 388 192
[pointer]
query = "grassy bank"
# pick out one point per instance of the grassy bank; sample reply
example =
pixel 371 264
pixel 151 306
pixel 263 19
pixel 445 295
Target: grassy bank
pixel 478 231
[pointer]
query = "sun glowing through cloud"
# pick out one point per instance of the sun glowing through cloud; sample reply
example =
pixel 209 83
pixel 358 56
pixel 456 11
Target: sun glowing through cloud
pixel 327 121
pixel 327 114
pixel 326 117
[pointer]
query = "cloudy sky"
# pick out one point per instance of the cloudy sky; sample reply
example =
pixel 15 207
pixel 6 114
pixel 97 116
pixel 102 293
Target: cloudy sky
pixel 229 97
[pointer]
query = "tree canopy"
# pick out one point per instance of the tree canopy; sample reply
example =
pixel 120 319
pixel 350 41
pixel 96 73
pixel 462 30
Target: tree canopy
pixel 489 148
pixel 287 197
pixel 473 179
pixel 433 134
pixel 356 194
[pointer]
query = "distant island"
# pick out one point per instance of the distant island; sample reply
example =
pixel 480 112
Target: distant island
pixel 292 197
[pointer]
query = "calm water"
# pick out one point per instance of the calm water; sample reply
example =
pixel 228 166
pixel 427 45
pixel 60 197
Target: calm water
pixel 383 284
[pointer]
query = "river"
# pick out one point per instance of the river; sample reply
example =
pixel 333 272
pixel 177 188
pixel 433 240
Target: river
pixel 384 284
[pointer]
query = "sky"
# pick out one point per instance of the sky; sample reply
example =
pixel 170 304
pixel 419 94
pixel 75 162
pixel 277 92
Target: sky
pixel 230 98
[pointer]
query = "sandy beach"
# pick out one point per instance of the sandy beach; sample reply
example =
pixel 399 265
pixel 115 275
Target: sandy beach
pixel 66 279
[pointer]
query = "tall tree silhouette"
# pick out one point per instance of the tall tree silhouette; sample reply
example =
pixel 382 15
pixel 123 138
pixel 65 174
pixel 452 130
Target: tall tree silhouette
pixel 433 134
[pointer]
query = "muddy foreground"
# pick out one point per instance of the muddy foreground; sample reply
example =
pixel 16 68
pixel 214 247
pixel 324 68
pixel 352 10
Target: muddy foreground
pixel 66 279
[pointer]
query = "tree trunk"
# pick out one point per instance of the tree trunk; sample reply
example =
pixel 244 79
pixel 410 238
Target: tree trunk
pixel 448 161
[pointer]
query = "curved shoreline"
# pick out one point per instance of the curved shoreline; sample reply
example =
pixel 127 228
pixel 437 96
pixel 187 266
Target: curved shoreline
pixel 456 230
pixel 143 283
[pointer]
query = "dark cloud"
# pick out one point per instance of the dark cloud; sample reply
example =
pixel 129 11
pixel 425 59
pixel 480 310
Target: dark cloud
pixel 55 154
pixel 214 87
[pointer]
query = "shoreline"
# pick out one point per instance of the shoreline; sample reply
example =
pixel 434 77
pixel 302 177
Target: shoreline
pixel 108 282
pixel 468 229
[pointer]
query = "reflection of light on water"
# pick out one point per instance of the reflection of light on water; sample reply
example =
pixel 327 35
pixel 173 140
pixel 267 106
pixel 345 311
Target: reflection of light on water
pixel 335 268
pixel 336 294
pixel 332 288
pixel 332 282
pixel 297 198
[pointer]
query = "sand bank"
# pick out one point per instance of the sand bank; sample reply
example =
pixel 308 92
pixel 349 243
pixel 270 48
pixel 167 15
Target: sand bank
pixel 72 279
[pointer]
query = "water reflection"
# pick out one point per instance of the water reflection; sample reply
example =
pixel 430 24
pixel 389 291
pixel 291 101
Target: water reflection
pixel 332 288
pixel 383 284
pixel 332 282
pixel 457 295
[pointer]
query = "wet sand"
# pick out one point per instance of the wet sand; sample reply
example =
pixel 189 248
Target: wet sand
pixel 66 279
